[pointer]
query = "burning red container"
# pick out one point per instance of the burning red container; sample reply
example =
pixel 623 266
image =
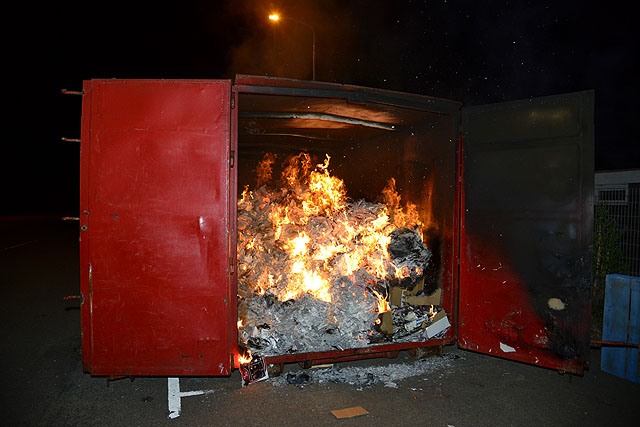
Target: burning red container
pixel 506 187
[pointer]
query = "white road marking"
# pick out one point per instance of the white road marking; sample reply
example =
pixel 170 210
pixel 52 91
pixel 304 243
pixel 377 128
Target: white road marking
pixel 175 395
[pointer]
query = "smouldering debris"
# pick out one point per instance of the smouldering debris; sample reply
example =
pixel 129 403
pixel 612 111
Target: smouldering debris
pixel 253 371
pixel 367 376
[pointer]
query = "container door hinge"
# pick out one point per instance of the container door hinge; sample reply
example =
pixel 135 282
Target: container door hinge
pixel 233 100
pixel 232 158
pixel 231 266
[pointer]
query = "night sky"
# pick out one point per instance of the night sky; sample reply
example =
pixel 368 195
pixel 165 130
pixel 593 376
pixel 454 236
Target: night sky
pixel 470 51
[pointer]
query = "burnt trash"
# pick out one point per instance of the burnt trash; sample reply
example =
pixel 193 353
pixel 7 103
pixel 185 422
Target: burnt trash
pixel 409 255
pixel 254 371
pixel 369 376
pixel 299 378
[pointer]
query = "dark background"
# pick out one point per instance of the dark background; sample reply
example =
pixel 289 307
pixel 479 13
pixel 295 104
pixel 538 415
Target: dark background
pixel 470 51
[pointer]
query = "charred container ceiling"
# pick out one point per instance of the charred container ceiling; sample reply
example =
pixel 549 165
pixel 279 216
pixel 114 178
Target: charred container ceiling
pixel 504 189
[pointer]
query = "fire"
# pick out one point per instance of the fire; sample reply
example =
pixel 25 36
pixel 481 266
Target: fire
pixel 245 358
pixel 264 169
pixel 383 304
pixel 240 325
pixel 298 245
pixel 400 217
pixel 402 272
pixel 310 235
pixel 432 312
pixel 327 192
pixel 246 194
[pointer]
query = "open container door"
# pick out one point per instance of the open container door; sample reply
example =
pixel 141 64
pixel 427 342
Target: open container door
pixel 155 214
pixel 526 230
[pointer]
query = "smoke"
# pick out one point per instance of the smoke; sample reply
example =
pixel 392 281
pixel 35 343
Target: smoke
pixel 285 48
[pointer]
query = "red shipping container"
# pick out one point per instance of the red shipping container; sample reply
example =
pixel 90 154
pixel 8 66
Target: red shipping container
pixel 162 161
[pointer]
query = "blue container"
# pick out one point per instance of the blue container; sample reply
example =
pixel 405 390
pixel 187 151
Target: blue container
pixel 621 322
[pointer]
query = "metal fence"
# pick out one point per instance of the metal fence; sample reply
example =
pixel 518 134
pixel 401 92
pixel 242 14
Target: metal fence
pixel 623 206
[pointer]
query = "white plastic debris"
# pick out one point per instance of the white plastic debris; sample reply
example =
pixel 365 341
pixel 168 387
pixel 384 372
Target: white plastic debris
pixel 437 327
pixel 507 348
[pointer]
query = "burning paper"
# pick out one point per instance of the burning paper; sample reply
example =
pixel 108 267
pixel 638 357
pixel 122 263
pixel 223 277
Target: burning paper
pixel 253 371
pixel 316 269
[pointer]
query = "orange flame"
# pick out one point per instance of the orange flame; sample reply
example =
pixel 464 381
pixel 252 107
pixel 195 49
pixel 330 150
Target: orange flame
pixel 400 217
pixel 263 171
pixel 297 169
pixel 401 272
pixel 327 192
pixel 245 358
pixel 355 241
pixel 431 313
pixel 383 304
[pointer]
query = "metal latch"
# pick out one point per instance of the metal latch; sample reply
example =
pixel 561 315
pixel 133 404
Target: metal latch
pixel 80 297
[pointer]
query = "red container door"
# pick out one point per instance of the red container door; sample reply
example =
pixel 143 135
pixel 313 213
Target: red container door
pixel 155 215
pixel 526 230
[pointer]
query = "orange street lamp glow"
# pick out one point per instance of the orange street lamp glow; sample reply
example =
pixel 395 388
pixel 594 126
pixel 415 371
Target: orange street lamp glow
pixel 275 18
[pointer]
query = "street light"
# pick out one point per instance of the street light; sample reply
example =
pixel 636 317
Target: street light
pixel 274 17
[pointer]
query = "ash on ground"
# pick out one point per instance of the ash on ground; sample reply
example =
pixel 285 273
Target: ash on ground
pixel 363 377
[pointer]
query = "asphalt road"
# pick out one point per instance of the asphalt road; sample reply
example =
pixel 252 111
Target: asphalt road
pixel 43 383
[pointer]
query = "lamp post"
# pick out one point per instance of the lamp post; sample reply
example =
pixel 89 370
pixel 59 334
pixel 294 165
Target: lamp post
pixel 274 17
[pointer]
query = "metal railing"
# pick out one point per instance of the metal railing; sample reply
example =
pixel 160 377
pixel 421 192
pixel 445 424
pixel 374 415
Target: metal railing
pixel 623 206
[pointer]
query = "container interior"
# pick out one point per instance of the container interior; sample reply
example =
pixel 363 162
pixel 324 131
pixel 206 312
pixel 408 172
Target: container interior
pixel 368 143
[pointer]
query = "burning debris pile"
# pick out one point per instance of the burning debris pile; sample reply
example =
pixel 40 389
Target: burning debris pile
pixel 318 272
